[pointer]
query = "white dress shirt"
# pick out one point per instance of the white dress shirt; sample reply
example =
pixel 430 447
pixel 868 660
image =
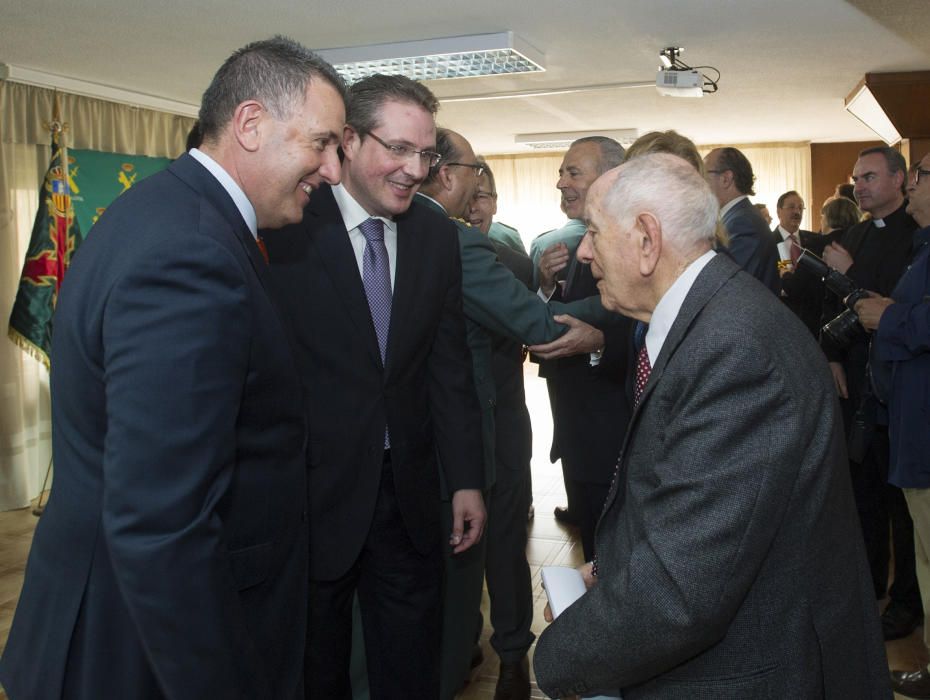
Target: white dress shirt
pixel 353 215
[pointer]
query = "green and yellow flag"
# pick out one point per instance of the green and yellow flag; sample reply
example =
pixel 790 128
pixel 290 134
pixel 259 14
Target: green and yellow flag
pixel 78 187
pixel 55 236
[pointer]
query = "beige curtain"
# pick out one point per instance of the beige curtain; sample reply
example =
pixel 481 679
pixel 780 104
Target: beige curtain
pixel 25 424
pixel 780 167
pixel 528 200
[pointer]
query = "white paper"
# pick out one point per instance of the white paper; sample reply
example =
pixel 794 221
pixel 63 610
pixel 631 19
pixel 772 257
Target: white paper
pixel 784 250
pixel 564 585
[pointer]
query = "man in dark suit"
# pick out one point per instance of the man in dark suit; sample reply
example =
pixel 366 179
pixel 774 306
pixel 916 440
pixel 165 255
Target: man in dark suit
pixel 494 303
pixel 801 290
pixel 372 288
pixel 730 177
pixel 171 560
pixel 729 565
pixel 587 388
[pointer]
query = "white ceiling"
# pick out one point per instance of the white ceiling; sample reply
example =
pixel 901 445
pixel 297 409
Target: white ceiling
pixel 786 65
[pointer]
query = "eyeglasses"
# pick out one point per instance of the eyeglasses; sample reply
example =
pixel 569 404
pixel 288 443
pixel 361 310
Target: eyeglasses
pixel 481 194
pixel 715 172
pixel 400 152
pixel 919 173
pixel 479 169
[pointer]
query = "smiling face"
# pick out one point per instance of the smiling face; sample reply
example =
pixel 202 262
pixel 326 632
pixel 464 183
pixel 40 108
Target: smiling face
pixel 483 206
pixel 295 156
pixel 378 180
pixel 790 213
pixel 877 189
pixel 580 168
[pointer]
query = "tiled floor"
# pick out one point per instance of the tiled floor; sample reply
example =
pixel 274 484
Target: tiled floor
pixel 549 543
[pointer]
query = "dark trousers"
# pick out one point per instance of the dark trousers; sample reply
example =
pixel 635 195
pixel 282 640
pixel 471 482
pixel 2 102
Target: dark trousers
pixel 506 569
pixel 589 502
pixel 884 516
pixel 399 592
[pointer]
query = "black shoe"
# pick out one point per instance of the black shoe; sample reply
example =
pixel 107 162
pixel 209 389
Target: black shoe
pixel 913 684
pixel 898 622
pixel 563 516
pixel 513 681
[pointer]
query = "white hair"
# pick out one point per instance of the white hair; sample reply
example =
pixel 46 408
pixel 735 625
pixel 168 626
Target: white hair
pixel 674 192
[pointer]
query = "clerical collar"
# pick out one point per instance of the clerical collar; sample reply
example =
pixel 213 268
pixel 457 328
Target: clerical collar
pixel 879 223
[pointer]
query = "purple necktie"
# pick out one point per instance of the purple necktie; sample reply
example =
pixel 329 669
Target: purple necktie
pixel 376 276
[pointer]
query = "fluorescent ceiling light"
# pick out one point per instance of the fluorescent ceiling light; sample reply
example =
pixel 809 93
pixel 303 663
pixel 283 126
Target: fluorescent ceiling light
pixel 563 139
pixel 28 76
pixel 472 56
pixel 864 107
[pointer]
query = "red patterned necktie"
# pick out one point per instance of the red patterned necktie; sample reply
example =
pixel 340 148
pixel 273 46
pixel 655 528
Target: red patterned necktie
pixel 643 369
pixel 795 246
pixel 261 246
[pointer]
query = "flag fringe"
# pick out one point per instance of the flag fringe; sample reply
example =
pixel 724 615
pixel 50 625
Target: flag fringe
pixel 28 347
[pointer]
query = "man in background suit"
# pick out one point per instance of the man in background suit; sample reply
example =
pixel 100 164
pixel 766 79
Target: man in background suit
pixel 587 388
pixel 171 560
pixel 732 505
pixel 372 287
pixel 801 290
pixel 494 302
pixel 729 174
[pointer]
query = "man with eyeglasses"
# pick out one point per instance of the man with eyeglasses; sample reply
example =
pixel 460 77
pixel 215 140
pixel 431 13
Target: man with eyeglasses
pixel 481 213
pixel 371 286
pixel 900 328
pixel 801 291
pixel 729 174
pixel 495 302
pixel 874 254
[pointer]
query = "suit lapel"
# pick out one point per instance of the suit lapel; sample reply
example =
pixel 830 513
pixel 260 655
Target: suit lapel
pixel 329 238
pixel 406 282
pixel 198 177
pixel 714 275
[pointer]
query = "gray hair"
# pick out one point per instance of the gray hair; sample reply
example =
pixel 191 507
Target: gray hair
pixel 273 71
pixel 611 152
pixel 689 219
pixel 445 148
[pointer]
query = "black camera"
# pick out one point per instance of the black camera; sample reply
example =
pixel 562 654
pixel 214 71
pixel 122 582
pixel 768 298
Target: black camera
pixel 843 329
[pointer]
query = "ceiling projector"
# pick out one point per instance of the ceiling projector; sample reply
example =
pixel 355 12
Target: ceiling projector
pixel 677 79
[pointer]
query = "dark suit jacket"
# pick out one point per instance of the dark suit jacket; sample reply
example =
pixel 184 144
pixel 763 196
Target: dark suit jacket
pixel 802 290
pixel 751 245
pixel 590 404
pixel 172 557
pixel 730 560
pixel 424 393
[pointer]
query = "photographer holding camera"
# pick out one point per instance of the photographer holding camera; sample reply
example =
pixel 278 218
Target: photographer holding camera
pixel 873 255
pixel 900 328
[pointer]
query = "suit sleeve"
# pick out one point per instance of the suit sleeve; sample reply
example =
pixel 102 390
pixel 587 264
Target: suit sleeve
pixel 456 417
pixel 702 506
pixel 496 300
pixel 177 334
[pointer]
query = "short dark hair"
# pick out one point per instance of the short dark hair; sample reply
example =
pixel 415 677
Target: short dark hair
pixel 893 159
pixel 840 213
pixel 611 151
pixel 847 190
pixel 789 193
pixel 490 173
pixel 732 159
pixel 368 95
pixel 445 148
pixel 273 71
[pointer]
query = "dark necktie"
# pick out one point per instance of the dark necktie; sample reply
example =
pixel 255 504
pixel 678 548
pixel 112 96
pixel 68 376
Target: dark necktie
pixel 795 248
pixel 643 370
pixel 376 276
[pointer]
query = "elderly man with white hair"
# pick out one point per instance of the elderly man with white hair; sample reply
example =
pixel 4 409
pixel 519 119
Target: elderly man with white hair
pixel 728 562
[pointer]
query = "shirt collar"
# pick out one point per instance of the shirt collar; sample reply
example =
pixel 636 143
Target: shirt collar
pixel 353 214
pixel 239 197
pixel 669 305
pixel 732 203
